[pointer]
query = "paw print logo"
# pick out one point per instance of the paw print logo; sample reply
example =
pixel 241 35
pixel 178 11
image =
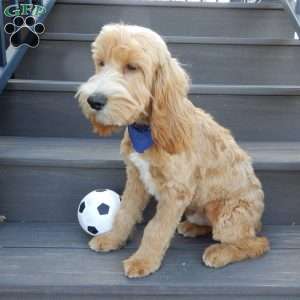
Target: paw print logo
pixel 24 31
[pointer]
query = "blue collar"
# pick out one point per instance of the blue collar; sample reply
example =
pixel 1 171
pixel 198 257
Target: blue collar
pixel 140 136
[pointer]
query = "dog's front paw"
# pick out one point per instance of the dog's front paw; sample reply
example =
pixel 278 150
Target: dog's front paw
pixel 105 243
pixel 139 266
pixel 2 218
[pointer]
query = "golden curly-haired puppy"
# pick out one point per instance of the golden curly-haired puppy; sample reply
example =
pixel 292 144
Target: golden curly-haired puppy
pixel 173 151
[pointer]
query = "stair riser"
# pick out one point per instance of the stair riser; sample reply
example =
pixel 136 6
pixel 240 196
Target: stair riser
pixel 57 114
pixel 26 197
pixel 169 20
pixel 206 63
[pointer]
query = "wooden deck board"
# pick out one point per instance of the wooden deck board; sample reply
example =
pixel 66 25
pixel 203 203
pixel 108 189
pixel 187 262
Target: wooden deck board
pixel 68 152
pixel 53 258
pixel 69 235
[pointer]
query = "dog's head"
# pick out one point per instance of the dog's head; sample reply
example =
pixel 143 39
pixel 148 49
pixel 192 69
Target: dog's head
pixel 136 80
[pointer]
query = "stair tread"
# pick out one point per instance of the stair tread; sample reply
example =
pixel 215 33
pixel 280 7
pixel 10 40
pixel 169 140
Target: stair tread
pixel 181 39
pixel 104 152
pixel 54 257
pixel 229 19
pixel 72 86
pixel 69 235
pixel 263 5
pixel 215 59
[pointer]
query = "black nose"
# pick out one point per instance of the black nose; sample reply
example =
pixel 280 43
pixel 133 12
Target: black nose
pixel 96 101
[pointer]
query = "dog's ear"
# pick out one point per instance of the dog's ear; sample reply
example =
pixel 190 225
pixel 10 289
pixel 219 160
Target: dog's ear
pixel 103 130
pixel 170 124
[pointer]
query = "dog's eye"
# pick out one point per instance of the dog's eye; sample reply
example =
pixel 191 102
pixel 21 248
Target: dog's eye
pixel 131 67
pixel 101 63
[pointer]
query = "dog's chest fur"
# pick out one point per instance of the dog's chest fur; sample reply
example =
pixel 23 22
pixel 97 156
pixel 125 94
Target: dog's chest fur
pixel 144 168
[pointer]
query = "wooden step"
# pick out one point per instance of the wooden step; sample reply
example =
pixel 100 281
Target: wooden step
pixel 251 112
pixel 232 61
pixel 51 261
pixel 264 19
pixel 44 179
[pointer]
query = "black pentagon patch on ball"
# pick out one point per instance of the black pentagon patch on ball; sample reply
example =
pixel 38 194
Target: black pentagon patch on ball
pixel 92 229
pixel 100 190
pixel 103 209
pixel 82 207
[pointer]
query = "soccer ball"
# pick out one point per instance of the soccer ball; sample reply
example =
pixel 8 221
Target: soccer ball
pixel 97 210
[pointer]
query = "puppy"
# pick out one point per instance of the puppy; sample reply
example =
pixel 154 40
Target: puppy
pixel 173 151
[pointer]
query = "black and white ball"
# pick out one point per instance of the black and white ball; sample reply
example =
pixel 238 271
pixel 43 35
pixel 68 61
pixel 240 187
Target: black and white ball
pixel 97 210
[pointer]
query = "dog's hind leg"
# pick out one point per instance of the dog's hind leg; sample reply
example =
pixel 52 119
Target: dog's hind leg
pixel 188 229
pixel 234 225
pixel 220 255
pixel 196 224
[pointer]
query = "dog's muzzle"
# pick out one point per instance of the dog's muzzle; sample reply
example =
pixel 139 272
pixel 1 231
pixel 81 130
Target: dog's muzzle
pixel 96 101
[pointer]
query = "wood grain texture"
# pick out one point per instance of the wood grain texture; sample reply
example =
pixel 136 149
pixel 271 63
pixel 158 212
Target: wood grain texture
pixel 42 295
pixel 195 89
pixel 69 235
pixel 249 117
pixel 62 270
pixel 263 4
pixel 180 39
pixel 165 19
pixel 206 63
pixel 73 167
pixel 26 197
pixel 105 153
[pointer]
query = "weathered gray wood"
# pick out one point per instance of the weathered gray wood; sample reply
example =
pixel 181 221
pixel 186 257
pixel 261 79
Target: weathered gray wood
pixel 234 19
pixel 50 194
pixel 71 168
pixel 254 117
pixel 69 235
pixel 286 155
pixel 179 39
pixel 55 152
pixel 51 261
pixel 202 89
pixel 207 63
pixel 63 152
pixel 26 197
pixel 42 295
pixel 69 271
pixel 263 4
pixel 58 115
